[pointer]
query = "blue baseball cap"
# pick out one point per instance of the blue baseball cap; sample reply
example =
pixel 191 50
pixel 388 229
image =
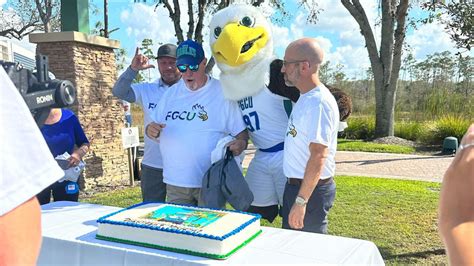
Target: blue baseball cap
pixel 189 53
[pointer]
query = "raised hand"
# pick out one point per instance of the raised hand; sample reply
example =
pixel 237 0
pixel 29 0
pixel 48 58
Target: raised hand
pixel 140 62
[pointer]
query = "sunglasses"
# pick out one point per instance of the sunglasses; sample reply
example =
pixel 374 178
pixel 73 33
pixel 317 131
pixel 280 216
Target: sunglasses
pixel 287 63
pixel 183 68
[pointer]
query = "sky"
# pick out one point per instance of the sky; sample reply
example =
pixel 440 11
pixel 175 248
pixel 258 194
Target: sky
pixel 336 30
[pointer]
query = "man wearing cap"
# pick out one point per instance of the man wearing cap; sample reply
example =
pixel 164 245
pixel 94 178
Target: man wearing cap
pixel 189 121
pixel 148 95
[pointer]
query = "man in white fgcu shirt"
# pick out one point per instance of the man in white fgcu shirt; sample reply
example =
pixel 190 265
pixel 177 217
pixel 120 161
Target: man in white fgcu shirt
pixel 191 118
pixel 310 143
pixel 147 96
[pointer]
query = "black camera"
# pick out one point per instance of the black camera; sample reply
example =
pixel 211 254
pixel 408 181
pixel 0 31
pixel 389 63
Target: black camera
pixel 40 92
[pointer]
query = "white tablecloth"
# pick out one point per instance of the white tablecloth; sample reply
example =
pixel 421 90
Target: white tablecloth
pixel 69 230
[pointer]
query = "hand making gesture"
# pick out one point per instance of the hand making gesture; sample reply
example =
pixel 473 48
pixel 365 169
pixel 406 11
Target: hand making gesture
pixel 140 62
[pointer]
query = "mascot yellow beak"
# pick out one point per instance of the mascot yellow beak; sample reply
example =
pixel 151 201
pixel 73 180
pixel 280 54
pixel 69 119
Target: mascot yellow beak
pixel 238 44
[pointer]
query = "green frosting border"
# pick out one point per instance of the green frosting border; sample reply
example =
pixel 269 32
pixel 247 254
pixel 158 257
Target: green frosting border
pixel 185 251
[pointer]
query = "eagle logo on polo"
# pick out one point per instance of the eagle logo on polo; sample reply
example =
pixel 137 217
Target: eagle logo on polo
pixel 291 128
pixel 197 110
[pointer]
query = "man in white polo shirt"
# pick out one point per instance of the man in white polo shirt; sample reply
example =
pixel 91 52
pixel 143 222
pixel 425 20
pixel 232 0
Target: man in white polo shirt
pixel 147 96
pixel 191 117
pixel 310 142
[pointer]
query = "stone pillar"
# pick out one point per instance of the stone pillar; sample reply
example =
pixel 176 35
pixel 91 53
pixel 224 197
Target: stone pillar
pixel 89 63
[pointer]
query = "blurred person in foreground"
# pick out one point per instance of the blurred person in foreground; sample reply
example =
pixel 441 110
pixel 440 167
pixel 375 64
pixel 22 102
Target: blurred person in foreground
pixel 147 95
pixel 27 167
pixel 456 207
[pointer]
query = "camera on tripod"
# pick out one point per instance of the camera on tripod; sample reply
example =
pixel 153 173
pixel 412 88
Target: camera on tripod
pixel 40 92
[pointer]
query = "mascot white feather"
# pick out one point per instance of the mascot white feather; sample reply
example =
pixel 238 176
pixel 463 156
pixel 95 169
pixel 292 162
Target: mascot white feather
pixel 242 44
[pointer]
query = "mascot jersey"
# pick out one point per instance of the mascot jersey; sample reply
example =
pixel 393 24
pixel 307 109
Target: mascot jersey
pixel 266 119
pixel 195 122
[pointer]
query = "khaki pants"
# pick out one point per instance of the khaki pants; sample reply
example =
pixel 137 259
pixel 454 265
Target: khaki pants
pixel 183 195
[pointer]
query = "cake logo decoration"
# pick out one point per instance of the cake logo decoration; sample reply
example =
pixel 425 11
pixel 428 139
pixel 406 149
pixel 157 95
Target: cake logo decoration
pixel 182 217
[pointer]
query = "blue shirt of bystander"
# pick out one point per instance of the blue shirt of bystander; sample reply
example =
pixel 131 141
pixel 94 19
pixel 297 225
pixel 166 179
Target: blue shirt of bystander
pixel 63 135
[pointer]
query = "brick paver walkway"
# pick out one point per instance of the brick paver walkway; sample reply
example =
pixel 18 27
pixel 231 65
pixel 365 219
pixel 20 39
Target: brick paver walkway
pixel 400 166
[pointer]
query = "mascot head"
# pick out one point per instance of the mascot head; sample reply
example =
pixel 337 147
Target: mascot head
pixel 241 43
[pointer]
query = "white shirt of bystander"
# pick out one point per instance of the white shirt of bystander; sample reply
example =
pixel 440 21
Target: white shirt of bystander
pixel 26 164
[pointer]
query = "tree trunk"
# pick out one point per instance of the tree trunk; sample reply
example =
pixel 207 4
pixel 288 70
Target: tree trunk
pixel 385 63
pixel 175 16
pixel 45 14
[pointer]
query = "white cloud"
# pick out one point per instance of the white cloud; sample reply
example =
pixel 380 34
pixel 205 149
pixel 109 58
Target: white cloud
pixel 338 33
pixel 325 43
pixel 297 28
pixel 428 39
pixel 143 22
pixel 2 2
pixel 281 37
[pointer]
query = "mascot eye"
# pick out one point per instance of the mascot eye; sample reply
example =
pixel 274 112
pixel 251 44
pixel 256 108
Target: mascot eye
pixel 247 22
pixel 217 32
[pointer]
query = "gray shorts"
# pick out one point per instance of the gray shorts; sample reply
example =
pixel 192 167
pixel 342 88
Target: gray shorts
pixel 153 188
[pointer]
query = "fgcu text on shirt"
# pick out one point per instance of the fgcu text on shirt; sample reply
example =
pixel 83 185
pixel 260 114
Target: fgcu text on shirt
pixel 197 111
pixel 265 117
pixel 195 122
pixel 314 119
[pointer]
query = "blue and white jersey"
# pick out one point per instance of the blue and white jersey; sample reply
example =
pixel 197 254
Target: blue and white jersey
pixel 266 118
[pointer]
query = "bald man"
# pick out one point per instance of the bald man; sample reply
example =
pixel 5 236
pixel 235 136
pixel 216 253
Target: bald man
pixel 310 142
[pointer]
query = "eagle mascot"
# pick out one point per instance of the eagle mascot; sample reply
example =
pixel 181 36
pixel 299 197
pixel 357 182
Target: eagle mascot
pixel 241 43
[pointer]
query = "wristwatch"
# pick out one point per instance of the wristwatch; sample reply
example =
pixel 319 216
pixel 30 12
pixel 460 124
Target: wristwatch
pixel 300 201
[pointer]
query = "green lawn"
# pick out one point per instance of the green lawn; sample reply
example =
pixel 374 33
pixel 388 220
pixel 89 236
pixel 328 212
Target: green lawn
pixel 360 145
pixel 399 216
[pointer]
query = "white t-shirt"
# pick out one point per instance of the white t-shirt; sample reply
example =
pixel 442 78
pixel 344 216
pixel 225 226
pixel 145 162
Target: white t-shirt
pixel 314 119
pixel 195 122
pixel 265 117
pixel 148 95
pixel 26 164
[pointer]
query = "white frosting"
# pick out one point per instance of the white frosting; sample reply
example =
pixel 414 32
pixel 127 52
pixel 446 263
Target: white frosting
pixel 219 228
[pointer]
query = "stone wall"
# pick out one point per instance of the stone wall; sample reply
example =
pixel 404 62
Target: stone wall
pixel 92 70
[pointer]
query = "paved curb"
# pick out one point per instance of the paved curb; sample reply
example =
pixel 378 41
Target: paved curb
pixel 385 165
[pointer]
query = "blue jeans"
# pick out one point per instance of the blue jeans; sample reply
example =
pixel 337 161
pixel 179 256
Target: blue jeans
pixel 317 209
pixel 153 188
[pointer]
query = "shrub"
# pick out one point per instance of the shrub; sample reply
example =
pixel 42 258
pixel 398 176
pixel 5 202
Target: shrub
pixel 444 127
pixel 408 129
pixel 360 128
